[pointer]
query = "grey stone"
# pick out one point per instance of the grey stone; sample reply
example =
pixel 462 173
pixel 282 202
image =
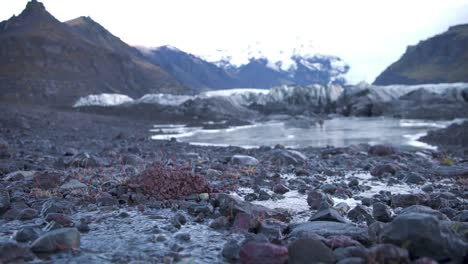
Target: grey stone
pixel 244 160
pixel 57 240
pixel 305 250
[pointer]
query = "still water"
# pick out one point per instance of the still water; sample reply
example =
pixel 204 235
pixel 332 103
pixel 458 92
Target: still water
pixel 337 132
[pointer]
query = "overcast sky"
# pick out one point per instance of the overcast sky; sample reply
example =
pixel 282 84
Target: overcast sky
pixel 367 34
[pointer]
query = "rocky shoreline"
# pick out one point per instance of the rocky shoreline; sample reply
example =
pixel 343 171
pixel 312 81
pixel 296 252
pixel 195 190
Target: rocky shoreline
pixel 79 187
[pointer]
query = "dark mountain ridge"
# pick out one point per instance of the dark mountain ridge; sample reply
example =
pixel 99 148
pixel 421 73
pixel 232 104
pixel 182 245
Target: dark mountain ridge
pixel 440 59
pixel 45 61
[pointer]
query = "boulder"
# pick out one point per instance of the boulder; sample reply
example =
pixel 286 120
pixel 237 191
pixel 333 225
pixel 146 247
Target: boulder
pixel 4 149
pixel 253 253
pixel 283 157
pixel 57 240
pixel 381 169
pixel 381 150
pixel 328 214
pixel 327 229
pixel 381 212
pixel 4 200
pixel 421 209
pixel 360 213
pixel 423 236
pixel 244 160
pixel 387 254
pixel 280 189
pixel 56 205
pixel 406 200
pixel 319 200
pixel 13 253
pixel 73 185
pixel 414 178
pixel 47 180
pixel 306 250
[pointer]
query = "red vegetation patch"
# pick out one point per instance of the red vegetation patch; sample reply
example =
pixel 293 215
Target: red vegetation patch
pixel 169 183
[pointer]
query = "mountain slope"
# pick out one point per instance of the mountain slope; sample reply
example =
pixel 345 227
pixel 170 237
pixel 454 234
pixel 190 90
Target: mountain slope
pixel 191 70
pixel 440 59
pixel 258 72
pixel 45 61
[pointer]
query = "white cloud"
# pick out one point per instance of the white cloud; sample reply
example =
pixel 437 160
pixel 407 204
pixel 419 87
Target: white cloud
pixel 368 34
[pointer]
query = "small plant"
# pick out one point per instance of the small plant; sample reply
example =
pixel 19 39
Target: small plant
pixel 447 161
pixel 169 183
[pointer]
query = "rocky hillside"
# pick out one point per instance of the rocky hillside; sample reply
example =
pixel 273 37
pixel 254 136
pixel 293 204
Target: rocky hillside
pixel 440 59
pixel 45 61
pixel 191 70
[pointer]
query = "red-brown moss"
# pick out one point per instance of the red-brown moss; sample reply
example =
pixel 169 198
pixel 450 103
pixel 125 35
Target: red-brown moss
pixel 169 183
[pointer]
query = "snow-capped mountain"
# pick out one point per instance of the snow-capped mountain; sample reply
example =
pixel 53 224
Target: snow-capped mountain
pixel 250 68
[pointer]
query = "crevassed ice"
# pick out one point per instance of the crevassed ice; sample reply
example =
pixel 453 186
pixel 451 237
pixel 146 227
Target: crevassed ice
pixel 314 93
pixel 103 100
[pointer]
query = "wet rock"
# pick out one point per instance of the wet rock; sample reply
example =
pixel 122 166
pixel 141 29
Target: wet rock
pixel 4 200
pixel 350 252
pixel 179 218
pixel 381 212
pixel 28 214
pixel 62 219
pixel 243 223
pixel 244 160
pixel 83 227
pixel 428 188
pixel 342 208
pixel 230 206
pixel 328 214
pixel 56 205
pixel 19 175
pixel 449 212
pixel 326 229
pixel 183 236
pixel 251 197
pixel 382 150
pixel 406 200
pixel 367 201
pixel 47 181
pixel 219 223
pixel 57 240
pixel 381 169
pixel 4 149
pixel 306 250
pixel 424 261
pixel 413 178
pixel 272 229
pixel 283 157
pixel 423 210
pixel 353 183
pixel 352 261
pixel 106 199
pixel 252 253
pixel 86 160
pixel 451 171
pixel 263 195
pixel 328 188
pixel 231 250
pixel 73 185
pixel 340 241
pixel 211 173
pixel 280 188
pixel 360 214
pixel 13 253
pixel 462 216
pixel 387 254
pixel 25 234
pixel 423 236
pixel 318 200
pixel 131 159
